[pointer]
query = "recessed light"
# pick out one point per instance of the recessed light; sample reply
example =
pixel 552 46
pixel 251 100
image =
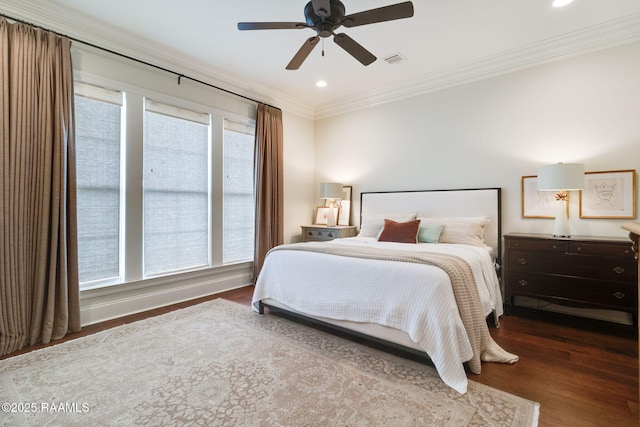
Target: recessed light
pixel 321 83
pixel 560 3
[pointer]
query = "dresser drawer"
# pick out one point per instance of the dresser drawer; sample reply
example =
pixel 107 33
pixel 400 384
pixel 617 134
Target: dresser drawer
pixel 323 234
pixel 575 291
pixel 592 267
pixel 538 245
pixel 623 250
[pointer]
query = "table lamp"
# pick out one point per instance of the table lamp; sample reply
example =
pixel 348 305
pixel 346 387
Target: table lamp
pixel 331 191
pixel 562 178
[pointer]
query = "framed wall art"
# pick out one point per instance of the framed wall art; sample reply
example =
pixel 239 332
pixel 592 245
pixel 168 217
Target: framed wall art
pixel 610 194
pixel 536 203
pixel 344 218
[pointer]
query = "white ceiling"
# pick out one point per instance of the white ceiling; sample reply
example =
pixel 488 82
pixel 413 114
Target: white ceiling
pixel 445 43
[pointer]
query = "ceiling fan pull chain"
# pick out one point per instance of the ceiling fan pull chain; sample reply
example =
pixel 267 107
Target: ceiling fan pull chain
pixel 323 47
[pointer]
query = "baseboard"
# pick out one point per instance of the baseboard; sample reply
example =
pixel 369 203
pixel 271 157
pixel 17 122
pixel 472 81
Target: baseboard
pixel 99 305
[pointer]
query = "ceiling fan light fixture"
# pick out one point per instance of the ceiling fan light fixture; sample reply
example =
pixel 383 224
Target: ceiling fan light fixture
pixel 325 17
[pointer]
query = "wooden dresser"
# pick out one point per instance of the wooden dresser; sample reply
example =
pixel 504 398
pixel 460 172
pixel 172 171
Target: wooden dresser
pixel 634 234
pixel 586 272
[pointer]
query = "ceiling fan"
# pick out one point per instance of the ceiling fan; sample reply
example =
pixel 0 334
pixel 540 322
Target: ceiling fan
pixel 325 17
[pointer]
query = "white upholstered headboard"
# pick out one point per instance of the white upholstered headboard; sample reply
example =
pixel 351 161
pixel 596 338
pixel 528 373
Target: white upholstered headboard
pixel 442 203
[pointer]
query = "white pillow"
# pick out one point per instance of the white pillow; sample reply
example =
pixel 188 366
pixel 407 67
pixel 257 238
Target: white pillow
pixel 371 224
pixel 462 230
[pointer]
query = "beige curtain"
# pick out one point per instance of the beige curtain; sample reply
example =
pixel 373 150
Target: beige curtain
pixel 39 290
pixel 269 183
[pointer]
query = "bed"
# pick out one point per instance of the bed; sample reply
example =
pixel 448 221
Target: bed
pixel 431 296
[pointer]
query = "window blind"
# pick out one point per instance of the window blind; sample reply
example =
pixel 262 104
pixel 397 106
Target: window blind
pixel 98 151
pixel 175 189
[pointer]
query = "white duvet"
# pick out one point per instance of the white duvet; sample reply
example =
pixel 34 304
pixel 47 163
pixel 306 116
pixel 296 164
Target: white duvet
pixel 414 298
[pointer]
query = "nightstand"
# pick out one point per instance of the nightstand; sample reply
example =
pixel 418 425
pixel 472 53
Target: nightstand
pixel 579 271
pixel 322 233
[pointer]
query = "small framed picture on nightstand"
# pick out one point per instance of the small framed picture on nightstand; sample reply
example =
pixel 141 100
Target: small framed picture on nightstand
pixel 322 214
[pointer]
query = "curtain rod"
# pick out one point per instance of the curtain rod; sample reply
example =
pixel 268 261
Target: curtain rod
pixel 180 75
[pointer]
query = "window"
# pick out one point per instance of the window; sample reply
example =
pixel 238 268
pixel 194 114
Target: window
pixel 162 189
pixel 176 189
pixel 238 200
pixel 98 141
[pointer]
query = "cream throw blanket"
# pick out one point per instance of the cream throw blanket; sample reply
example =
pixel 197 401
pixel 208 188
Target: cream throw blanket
pixel 464 289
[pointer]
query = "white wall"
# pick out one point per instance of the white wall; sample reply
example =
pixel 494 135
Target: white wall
pixel 299 174
pixel 491 133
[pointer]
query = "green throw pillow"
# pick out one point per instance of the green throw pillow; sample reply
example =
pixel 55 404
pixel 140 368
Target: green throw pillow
pixel 429 233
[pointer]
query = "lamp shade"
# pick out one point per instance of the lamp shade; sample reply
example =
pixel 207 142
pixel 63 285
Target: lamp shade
pixel 561 176
pixel 331 190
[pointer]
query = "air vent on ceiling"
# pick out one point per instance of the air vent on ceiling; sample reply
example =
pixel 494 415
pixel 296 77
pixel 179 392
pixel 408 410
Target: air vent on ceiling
pixel 395 58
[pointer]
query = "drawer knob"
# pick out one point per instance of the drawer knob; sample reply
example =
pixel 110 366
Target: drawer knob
pixel 579 248
pixel 619 270
pixel 330 234
pixel 555 246
pixel 619 295
pixel 522 282
pixel 522 261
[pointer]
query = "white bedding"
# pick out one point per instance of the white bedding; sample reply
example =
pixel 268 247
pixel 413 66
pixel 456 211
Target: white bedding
pixel 414 298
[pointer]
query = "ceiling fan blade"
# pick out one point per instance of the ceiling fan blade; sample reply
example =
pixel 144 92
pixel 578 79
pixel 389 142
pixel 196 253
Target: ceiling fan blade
pixel 354 49
pixel 381 14
pixel 322 8
pixel 271 25
pixel 302 53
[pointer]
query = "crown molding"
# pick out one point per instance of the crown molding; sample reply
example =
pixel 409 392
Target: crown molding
pixel 598 37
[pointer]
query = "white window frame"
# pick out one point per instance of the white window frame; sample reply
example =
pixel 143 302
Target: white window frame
pixel 131 251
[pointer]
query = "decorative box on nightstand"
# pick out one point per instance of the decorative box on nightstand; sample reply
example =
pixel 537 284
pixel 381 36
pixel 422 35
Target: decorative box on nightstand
pixel 586 272
pixel 322 233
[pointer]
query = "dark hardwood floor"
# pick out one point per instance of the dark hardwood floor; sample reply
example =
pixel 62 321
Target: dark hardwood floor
pixel 580 377
pixel 582 374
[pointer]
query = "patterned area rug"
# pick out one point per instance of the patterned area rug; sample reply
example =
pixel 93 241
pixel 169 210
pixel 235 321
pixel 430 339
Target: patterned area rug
pixel 220 364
